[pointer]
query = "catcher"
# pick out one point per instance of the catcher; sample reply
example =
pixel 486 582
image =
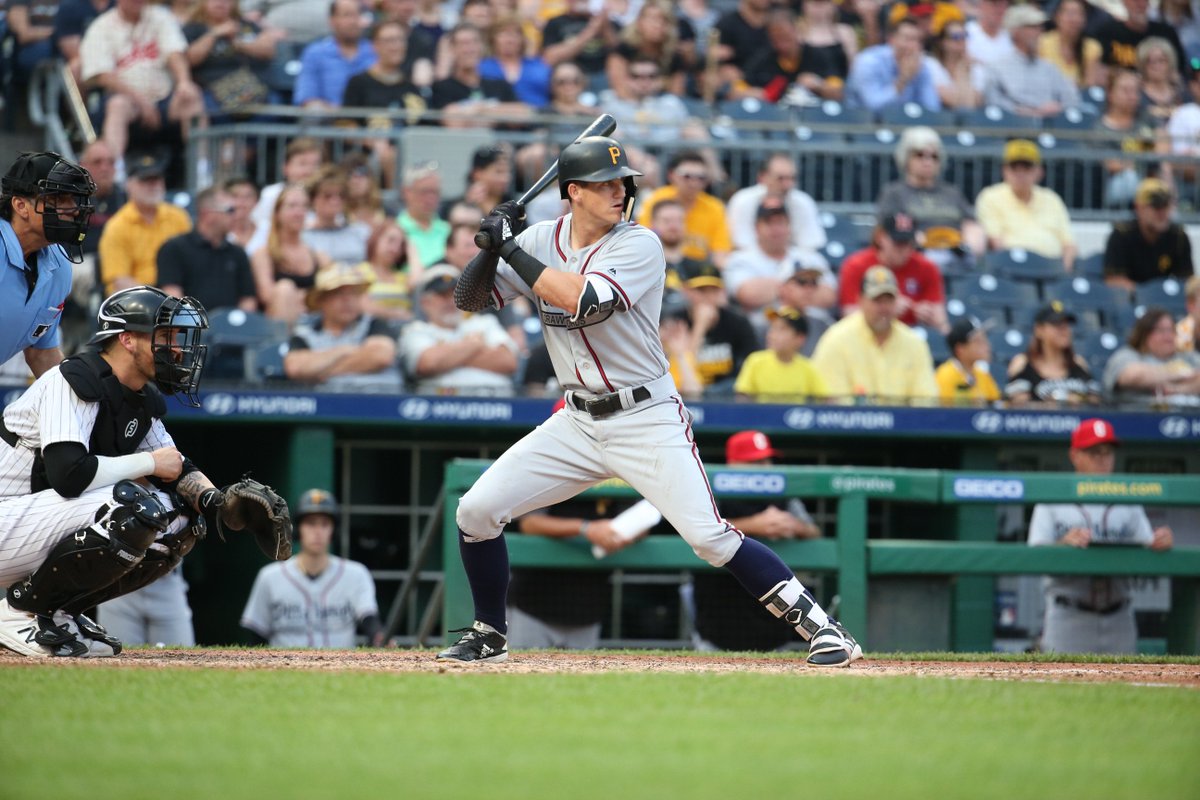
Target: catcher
pixel 95 500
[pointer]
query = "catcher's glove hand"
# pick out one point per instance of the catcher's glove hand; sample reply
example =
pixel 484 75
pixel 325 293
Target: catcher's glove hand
pixel 254 507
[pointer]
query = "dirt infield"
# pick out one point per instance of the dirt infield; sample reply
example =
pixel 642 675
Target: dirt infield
pixel 416 661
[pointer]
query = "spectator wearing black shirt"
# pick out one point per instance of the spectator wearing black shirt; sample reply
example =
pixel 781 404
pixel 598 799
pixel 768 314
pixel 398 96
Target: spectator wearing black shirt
pixel 31 23
pixel 727 619
pixel 771 74
pixel 721 336
pixel 203 263
pixel 579 36
pixel 468 99
pixel 1150 246
pixel 222 44
pixel 385 85
pixel 1120 38
pixel 654 35
pixel 743 36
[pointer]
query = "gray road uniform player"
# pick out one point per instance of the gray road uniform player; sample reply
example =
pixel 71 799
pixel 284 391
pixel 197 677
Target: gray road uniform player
pixel 90 481
pixel 597 283
pixel 1089 614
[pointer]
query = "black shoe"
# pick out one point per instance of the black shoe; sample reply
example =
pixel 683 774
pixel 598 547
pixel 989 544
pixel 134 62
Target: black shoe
pixel 479 644
pixel 98 635
pixel 833 646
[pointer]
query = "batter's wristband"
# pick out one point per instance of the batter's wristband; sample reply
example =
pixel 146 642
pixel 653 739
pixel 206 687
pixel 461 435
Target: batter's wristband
pixel 528 268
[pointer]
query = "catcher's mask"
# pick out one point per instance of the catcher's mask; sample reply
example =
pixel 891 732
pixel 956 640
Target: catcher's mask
pixel 61 192
pixel 595 159
pixel 175 327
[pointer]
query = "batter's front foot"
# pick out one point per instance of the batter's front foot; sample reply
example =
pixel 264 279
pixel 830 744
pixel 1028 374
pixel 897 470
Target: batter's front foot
pixel 479 644
pixel 833 646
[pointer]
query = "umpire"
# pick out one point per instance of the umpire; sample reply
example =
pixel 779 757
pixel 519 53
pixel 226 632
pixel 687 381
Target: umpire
pixel 45 201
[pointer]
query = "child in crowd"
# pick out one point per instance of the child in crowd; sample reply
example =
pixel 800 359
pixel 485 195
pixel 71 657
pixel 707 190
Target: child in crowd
pixel 964 378
pixel 780 373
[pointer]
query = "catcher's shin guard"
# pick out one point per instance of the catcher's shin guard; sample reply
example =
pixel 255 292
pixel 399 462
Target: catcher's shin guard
pixel 94 557
pixel 161 557
pixel 792 603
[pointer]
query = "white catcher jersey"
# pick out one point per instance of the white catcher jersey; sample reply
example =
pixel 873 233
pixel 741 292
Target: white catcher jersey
pixel 290 609
pixel 612 350
pixel 50 412
pixel 1109 524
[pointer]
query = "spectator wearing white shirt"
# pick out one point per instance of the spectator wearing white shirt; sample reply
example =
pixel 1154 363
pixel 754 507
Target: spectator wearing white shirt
pixel 754 276
pixel 987 39
pixel 1022 82
pixel 777 180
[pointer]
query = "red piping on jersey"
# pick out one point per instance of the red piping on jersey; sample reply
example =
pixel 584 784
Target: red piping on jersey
pixel 557 246
pixel 499 299
pixel 700 465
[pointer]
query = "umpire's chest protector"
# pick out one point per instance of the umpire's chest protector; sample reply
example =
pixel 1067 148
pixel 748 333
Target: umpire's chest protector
pixel 125 416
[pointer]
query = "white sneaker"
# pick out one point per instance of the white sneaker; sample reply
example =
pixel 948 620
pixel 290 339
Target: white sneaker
pixel 18 631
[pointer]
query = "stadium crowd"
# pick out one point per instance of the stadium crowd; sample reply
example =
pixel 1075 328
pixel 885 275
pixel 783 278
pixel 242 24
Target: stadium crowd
pixel 767 297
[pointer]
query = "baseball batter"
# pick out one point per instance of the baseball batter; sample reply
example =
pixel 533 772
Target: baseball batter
pixel 597 282
pixel 1091 614
pixel 88 473
pixel 313 599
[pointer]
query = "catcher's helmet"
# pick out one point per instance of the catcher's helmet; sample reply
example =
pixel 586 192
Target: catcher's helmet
pixel 175 327
pixel 47 178
pixel 316 501
pixel 595 159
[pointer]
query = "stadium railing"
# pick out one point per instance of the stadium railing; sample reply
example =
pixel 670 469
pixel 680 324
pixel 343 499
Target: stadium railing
pixel 854 558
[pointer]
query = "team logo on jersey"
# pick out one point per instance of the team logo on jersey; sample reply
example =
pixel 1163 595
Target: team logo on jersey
pixel 131 428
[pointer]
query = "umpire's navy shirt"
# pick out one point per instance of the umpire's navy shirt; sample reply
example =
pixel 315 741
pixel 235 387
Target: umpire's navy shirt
pixel 31 319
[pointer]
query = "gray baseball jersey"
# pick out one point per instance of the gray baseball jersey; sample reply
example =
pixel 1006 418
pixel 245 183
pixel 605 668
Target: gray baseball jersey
pixel 31 524
pixel 649 444
pixel 611 350
pixel 290 609
pixel 1109 524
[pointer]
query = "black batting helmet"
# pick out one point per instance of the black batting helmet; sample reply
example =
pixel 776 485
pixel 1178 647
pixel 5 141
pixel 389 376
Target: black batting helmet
pixel 316 501
pixel 178 355
pixel 45 178
pixel 595 159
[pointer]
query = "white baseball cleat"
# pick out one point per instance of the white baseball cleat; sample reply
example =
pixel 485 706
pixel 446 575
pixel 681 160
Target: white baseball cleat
pixel 19 631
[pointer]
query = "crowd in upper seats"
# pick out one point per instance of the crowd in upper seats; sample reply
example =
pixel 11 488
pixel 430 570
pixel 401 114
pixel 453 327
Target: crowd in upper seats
pixel 757 305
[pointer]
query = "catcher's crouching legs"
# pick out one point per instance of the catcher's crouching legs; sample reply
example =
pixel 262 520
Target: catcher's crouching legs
pixel 89 563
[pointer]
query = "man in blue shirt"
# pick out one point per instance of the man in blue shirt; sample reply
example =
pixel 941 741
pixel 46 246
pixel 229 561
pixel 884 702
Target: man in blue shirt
pixel 327 64
pixel 893 73
pixel 45 203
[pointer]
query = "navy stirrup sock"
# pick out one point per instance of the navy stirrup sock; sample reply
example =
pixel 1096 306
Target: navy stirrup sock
pixel 757 568
pixel 486 565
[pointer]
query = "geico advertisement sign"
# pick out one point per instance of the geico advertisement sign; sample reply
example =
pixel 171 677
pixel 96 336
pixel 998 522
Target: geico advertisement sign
pixel 989 488
pixel 749 482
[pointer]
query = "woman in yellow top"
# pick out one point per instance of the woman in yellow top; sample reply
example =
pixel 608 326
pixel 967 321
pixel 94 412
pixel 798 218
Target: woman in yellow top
pixel 1076 55
pixel 780 374
pixel 964 378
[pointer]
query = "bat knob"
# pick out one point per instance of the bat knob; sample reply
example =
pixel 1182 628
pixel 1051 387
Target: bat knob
pixel 482 240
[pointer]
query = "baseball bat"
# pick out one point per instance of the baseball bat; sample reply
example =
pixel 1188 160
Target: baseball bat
pixel 602 125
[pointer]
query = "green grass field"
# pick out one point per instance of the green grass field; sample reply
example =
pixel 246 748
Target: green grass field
pixel 86 732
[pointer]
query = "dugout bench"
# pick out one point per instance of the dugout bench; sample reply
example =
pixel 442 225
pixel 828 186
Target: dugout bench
pixel 854 558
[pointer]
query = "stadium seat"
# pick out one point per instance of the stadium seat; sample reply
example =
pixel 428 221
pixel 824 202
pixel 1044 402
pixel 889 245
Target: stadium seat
pixel 1090 267
pixel 936 341
pixel 233 337
pixel 906 114
pixel 749 113
pixel 1167 293
pixel 283 69
pixel 988 118
pixel 1008 342
pixel 840 228
pixel 833 112
pixel 1072 119
pixel 1097 349
pixel 1022 264
pixel 992 318
pixel 993 291
pixel 268 362
pixel 1086 294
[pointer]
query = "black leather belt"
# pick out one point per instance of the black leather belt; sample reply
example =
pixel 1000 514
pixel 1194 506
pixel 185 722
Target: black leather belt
pixel 607 404
pixel 1088 607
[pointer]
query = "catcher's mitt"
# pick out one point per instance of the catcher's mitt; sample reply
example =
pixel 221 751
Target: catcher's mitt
pixel 255 507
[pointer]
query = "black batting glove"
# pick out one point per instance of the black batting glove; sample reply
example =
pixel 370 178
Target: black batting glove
pixel 499 230
pixel 514 211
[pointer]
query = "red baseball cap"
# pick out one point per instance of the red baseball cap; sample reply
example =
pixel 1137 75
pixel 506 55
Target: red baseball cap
pixel 1092 432
pixel 748 446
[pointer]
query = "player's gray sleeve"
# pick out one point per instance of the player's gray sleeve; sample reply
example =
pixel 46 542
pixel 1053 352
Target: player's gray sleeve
pixel 1041 526
pixel 363 596
pixel 257 614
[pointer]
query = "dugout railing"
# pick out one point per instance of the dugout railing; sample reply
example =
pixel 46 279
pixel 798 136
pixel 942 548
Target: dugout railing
pixel 967 550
